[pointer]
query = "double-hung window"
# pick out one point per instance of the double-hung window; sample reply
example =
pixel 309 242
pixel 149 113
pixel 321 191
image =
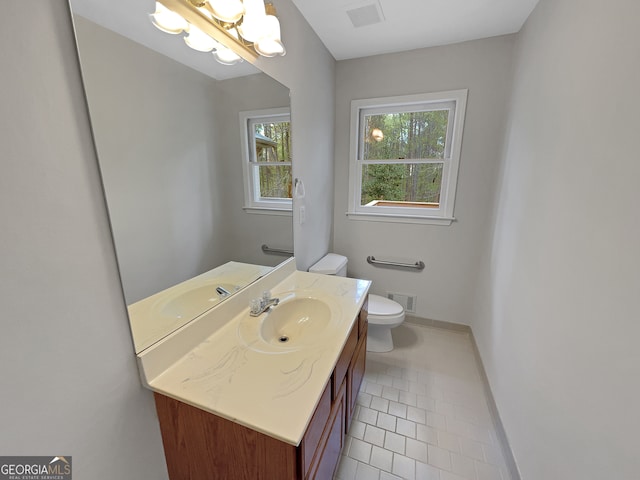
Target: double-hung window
pixel 405 153
pixel 266 147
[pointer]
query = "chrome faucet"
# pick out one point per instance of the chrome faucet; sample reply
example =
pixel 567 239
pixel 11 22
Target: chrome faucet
pixel 258 306
pixel 222 292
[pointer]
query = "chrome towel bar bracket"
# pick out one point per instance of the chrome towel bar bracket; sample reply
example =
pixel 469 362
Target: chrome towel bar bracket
pixel 419 265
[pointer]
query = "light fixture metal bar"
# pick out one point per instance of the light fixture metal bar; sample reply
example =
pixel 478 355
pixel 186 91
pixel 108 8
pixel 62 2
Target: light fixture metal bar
pixel 218 33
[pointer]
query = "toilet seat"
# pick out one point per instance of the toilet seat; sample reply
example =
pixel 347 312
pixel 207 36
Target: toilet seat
pixel 384 311
pixel 383 315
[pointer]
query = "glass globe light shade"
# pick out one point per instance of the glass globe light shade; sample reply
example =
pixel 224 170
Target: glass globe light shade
pixel 270 45
pixel 167 21
pixel 226 56
pixel 227 10
pixel 198 40
pixel 256 7
pixel 253 22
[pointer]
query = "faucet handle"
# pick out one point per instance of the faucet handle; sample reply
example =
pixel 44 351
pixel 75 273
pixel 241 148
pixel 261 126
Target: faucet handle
pixel 255 305
pixel 266 295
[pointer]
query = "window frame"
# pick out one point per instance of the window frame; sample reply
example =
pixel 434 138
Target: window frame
pixel 253 203
pixel 455 101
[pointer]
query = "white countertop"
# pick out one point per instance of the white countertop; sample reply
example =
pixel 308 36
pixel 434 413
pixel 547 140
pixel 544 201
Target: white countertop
pixel 273 393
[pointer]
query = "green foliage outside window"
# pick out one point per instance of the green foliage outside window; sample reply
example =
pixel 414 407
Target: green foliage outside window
pixel 410 135
pixel 402 182
pixel 405 136
pixel 276 142
pixel 273 145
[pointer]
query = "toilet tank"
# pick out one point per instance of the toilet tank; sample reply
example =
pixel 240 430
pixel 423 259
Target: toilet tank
pixel 331 264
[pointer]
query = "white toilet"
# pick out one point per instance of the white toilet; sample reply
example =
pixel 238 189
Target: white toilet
pixel 384 314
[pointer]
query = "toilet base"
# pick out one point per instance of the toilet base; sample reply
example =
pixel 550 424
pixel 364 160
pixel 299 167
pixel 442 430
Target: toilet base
pixel 379 339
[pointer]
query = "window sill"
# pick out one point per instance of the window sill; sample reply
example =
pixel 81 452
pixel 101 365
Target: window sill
pixel 268 211
pixel 376 217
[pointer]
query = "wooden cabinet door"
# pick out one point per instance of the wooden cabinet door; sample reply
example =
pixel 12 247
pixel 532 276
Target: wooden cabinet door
pixel 333 439
pixel 311 445
pixel 355 374
pixel 202 446
pixel 345 359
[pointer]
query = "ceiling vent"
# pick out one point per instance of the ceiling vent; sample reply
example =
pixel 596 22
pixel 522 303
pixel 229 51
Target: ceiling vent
pixel 366 15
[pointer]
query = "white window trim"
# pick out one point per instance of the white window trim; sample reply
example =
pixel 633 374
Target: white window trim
pixel 444 214
pixel 251 203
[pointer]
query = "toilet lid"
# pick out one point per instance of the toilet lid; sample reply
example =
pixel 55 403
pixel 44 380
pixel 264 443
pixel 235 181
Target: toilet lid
pixel 330 264
pixel 383 306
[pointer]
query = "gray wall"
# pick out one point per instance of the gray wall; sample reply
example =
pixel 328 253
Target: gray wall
pixel 70 383
pixel 451 253
pixel 556 316
pixel 69 379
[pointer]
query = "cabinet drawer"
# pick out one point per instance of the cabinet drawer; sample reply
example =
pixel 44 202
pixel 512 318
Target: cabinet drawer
pixel 312 436
pixel 345 359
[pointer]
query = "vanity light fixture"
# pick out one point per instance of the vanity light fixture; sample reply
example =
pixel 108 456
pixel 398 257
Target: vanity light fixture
pixel 232 29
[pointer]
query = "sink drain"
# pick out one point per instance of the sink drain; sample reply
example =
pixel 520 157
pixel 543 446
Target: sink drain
pixel 283 339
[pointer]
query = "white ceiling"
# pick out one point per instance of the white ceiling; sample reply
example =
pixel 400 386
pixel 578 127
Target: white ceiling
pixel 404 25
pixel 411 24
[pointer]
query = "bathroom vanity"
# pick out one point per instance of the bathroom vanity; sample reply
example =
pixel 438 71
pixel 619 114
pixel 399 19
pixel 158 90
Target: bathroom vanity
pixel 235 401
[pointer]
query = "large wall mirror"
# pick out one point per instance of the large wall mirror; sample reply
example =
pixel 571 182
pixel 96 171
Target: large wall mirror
pixel 168 139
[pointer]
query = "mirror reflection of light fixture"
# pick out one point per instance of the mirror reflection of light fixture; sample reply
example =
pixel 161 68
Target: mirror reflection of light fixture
pixel 233 29
pixel 269 44
pixel 377 134
pixel 225 56
pixel 168 21
pixel 198 40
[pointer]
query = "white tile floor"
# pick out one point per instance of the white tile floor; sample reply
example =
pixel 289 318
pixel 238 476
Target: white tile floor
pixel 422 413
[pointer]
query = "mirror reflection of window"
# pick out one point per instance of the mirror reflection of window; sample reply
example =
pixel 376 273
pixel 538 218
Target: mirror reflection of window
pixel 268 179
pixel 273 158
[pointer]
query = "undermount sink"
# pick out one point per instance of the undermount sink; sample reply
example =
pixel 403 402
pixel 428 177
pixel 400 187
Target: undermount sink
pixel 301 319
pixel 193 302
